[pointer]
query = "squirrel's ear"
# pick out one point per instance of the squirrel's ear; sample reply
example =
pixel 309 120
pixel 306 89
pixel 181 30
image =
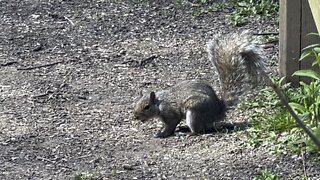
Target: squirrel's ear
pixel 152 97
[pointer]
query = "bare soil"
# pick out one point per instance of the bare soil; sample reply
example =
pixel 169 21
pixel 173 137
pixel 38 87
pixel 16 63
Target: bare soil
pixel 70 71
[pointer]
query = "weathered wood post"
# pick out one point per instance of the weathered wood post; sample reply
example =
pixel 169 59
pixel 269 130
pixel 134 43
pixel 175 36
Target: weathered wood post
pixel 296 21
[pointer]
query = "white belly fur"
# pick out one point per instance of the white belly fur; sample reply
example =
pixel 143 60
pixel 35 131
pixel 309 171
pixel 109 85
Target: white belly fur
pixel 189 119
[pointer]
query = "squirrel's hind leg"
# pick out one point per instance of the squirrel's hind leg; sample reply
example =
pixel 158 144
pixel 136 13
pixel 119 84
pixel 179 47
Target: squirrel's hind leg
pixel 196 123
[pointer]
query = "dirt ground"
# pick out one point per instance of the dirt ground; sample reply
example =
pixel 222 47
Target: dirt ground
pixel 70 71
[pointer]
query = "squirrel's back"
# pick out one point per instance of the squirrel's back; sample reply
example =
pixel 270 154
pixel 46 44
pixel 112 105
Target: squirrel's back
pixel 185 90
pixel 238 60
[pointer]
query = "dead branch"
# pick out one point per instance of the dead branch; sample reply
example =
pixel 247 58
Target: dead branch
pixel 265 33
pixel 147 60
pixel 143 62
pixel 69 20
pixel 129 61
pixel 43 94
pixel 269 44
pixel 9 63
pixel 40 66
pixel 266 46
pixel 303 158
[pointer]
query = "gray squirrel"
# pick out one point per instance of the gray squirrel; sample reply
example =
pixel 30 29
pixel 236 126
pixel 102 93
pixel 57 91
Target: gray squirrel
pixel 238 61
pixel 192 100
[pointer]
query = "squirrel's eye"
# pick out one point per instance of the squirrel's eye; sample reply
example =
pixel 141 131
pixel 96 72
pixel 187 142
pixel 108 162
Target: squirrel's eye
pixel 146 107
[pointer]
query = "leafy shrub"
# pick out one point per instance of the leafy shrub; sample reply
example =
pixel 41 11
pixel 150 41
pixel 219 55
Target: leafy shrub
pixel 308 101
pixel 247 8
pixel 242 8
pixel 273 124
pixel 266 175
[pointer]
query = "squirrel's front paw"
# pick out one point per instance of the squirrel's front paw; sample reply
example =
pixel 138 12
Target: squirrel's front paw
pixel 163 135
pixel 187 134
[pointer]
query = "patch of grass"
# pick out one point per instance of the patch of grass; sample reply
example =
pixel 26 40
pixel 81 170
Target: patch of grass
pixel 272 125
pixel 248 8
pixel 198 11
pixel 114 171
pixel 200 7
pixel 266 175
pixel 242 8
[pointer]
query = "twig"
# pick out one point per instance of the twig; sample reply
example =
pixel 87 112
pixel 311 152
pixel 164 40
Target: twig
pixel 275 41
pixel 54 162
pixel 272 41
pixel 85 156
pixel 65 17
pixel 143 62
pixel 129 61
pixel 45 159
pixel 304 163
pixel 40 95
pixel 269 44
pixel 285 102
pixel 266 33
pixel 40 66
pixel 8 63
pixel 147 60
pixel 266 46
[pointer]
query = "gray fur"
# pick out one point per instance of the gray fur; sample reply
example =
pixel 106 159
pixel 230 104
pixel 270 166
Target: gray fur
pixel 238 60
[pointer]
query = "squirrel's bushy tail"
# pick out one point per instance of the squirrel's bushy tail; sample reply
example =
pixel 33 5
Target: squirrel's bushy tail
pixel 238 60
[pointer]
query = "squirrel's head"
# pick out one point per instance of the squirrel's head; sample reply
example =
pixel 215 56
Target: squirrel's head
pixel 146 108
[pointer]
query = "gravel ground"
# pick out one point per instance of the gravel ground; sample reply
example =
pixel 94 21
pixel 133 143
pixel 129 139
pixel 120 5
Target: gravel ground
pixel 71 71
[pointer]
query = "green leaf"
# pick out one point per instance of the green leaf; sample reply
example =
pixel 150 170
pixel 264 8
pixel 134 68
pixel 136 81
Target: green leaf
pixel 307 73
pixel 311 46
pixel 313 34
pixel 243 4
pixel 305 54
pixel 298 107
pixel 315 63
pixel 316 50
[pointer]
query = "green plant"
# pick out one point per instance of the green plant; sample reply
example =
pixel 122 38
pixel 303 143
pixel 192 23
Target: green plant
pixel 272 125
pixel 271 122
pixel 198 11
pixel 237 19
pixel 308 102
pixel 269 119
pixel 247 8
pixel 266 175
pixel 114 171
pixel 201 7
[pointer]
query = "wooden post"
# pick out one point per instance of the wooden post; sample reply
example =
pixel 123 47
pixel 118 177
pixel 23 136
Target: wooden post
pixel 296 22
pixel 290 24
